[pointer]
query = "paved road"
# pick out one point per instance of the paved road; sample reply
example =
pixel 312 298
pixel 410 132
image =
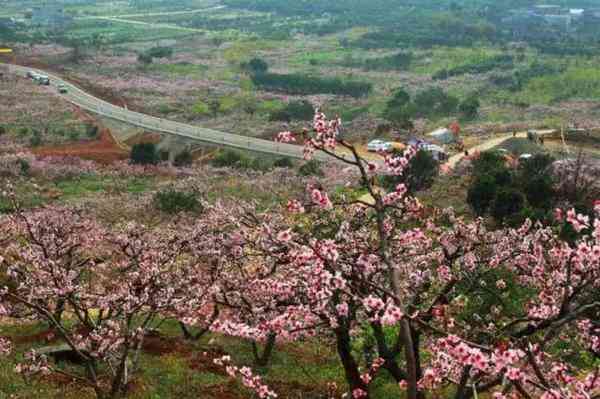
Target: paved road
pixel 95 105
pixel 154 14
pixel 152 24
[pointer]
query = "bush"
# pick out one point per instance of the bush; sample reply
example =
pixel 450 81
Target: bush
pixel 422 171
pixel 184 158
pixel 311 168
pixel 489 163
pixel 144 59
pixel 285 162
pixel 238 160
pixel 2 130
pixel 36 139
pixel 172 201
pixel 227 158
pixel 144 154
pixel 435 102
pixel 482 193
pixel 419 175
pixel 24 165
pixel 160 52
pixel 91 131
pixel 296 110
pixel 507 204
pixel 255 66
pixel 400 110
pixel 469 108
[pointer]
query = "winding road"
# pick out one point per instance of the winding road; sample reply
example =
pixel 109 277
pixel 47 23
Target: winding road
pixel 95 105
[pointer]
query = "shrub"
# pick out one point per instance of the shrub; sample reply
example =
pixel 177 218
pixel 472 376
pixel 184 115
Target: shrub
pixel 2 130
pixel 182 159
pixel 73 135
pixel 285 162
pixel 419 175
pixel 172 201
pixel 91 131
pixel 435 102
pixel 144 154
pixel 311 168
pixel 469 108
pixel 296 110
pixel 422 170
pixel 489 163
pixel 400 110
pixel 239 160
pixel 482 193
pixel 508 203
pixel 160 52
pixel 255 66
pixel 144 59
pixel 24 165
pixel 227 158
pixel 36 139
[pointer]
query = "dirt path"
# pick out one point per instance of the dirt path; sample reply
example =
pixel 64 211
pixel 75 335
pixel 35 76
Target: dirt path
pixel 489 144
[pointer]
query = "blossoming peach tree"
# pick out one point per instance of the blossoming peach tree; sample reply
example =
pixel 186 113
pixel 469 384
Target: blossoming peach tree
pixel 446 303
pixel 100 291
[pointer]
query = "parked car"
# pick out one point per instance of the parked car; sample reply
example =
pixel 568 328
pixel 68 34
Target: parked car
pixel 31 74
pixel 379 145
pixel 62 88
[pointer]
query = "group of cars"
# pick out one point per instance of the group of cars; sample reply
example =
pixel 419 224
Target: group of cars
pixel 436 151
pixel 44 80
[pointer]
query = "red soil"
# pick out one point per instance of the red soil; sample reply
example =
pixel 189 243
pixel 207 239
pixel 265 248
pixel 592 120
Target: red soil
pixel 103 150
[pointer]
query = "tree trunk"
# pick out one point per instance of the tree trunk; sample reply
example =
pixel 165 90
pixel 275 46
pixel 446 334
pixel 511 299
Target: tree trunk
pixel 462 392
pixel 59 310
pixel 190 336
pixel 411 360
pixel 263 360
pixel 350 366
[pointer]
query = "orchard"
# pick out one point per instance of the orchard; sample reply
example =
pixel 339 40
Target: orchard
pixel 444 306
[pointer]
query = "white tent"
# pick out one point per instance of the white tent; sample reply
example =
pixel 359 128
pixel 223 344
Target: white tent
pixel 442 135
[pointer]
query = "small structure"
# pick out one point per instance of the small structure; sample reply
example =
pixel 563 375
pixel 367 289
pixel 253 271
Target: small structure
pixel 436 151
pixel 442 135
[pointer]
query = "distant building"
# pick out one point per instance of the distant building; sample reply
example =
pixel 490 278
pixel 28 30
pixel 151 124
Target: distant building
pixel 549 9
pixel 442 135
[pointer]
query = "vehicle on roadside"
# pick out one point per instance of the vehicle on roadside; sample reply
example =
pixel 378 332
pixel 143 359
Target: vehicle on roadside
pixel 62 88
pixel 379 145
pixel 43 80
pixel 31 74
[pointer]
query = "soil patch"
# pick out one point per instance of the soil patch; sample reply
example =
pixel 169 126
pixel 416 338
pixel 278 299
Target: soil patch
pixel 155 344
pixel 204 362
pixel 47 336
pixel 104 150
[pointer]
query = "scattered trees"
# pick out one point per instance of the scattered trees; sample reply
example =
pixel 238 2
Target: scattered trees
pixel 512 195
pixel 303 84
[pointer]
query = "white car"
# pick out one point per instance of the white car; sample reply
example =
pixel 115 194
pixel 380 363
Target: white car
pixel 379 145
